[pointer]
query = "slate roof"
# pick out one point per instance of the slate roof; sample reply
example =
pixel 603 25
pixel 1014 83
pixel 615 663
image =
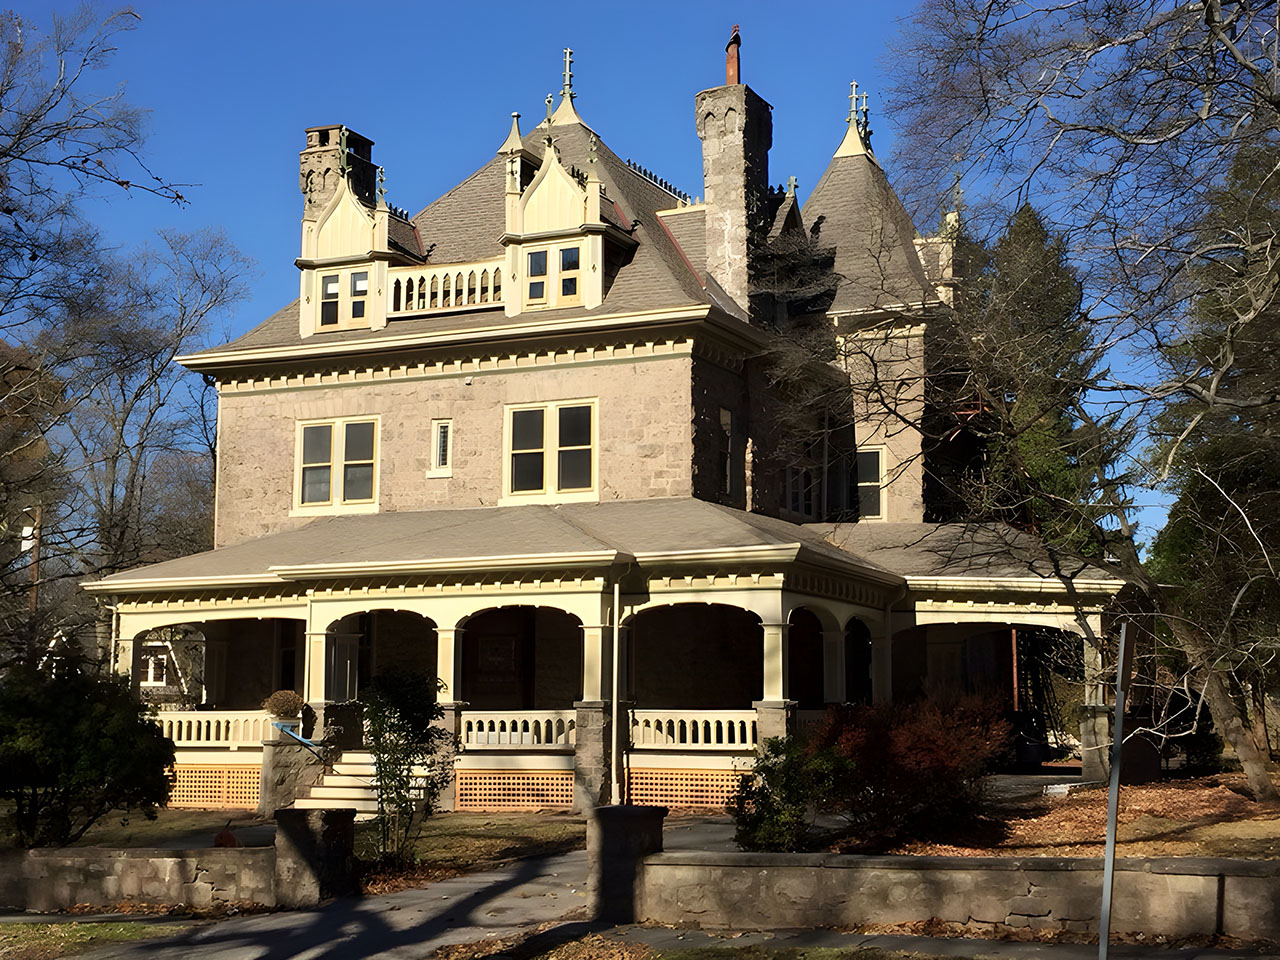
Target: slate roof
pixel 464 225
pixel 873 236
pixel 979 550
pixel 466 534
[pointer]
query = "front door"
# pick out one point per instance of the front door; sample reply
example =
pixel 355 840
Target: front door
pixel 342 670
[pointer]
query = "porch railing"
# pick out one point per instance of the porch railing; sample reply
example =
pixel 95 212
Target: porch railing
pixel 449 286
pixel 228 729
pixel 508 728
pixel 693 729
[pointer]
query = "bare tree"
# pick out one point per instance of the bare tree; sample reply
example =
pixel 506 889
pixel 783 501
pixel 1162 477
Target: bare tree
pixel 1121 120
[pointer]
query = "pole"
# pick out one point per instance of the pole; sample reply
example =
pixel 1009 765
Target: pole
pixel 1113 795
pixel 615 758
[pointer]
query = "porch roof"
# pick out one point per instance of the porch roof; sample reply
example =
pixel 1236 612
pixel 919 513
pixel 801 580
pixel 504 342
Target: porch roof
pixel 938 553
pixel 655 531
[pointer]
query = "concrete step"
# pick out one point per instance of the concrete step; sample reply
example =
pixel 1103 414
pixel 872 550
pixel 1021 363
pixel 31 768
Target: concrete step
pixel 349 781
pixel 315 803
pixel 325 792
pixel 353 769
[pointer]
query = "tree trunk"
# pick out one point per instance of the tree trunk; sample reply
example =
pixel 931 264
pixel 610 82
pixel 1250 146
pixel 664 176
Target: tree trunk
pixel 1228 720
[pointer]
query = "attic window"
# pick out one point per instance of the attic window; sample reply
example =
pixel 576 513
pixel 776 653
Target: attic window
pixel 329 300
pixel 538 276
pixel 569 264
pixel 359 290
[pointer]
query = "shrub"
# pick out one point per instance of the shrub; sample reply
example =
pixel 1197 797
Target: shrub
pixel 399 714
pixel 73 747
pixel 284 703
pixel 892 772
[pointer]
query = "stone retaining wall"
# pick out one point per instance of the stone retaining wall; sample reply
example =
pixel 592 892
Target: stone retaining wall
pixel 1176 896
pixel 311 860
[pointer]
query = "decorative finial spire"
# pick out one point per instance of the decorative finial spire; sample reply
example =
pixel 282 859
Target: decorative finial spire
pixel 792 183
pixel 591 148
pixel 514 141
pixel 382 186
pixel 864 122
pixel 857 139
pixel 567 89
pixel 853 101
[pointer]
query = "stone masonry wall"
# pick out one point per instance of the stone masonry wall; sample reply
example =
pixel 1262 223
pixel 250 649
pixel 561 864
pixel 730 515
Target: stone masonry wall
pixel 44 880
pixel 1171 896
pixel 644 435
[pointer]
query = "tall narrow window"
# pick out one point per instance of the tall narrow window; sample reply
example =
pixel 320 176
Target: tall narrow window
pixel 871 484
pixel 574 449
pixel 357 462
pixel 538 276
pixel 569 272
pixel 359 290
pixel 441 449
pixel 527 450
pixel 329 291
pixel 317 462
pixel 725 452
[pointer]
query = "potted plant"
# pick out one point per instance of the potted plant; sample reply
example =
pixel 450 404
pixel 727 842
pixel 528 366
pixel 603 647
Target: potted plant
pixel 286 706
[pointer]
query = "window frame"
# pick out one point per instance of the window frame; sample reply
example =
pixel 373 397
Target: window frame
pixel 568 299
pixel 880 484
pixel 544 278
pixel 147 657
pixel 434 467
pixel 552 280
pixel 338 462
pixel 551 449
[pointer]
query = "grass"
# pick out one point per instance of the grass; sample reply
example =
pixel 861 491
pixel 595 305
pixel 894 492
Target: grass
pixel 46 941
pixel 120 829
pixel 459 841
pixel 597 947
pixel 756 952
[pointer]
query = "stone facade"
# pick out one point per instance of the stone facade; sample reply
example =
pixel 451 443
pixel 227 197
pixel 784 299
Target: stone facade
pixel 644 437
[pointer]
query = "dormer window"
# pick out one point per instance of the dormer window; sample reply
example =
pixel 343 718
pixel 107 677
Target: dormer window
pixel 538 276
pixel 570 291
pixel 329 300
pixel 359 290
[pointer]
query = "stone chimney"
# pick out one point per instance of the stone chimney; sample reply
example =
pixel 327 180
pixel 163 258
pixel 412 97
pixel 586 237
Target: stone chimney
pixel 334 152
pixel 736 129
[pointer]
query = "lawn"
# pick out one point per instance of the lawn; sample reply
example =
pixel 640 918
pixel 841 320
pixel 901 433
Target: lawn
pixel 597 947
pixel 1201 817
pixel 195 828
pixel 45 941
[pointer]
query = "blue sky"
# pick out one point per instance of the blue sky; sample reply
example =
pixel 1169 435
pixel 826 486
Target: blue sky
pixel 231 86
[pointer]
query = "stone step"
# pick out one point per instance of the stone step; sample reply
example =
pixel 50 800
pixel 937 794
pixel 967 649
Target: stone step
pixel 349 781
pixel 326 792
pixel 353 769
pixel 317 803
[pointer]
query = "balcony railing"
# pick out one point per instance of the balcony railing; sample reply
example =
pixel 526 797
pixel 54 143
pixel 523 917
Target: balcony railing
pixel 693 730
pixel 518 728
pixel 447 287
pixel 227 729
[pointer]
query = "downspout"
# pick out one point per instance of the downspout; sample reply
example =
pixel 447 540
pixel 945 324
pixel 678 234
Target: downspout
pixel 615 753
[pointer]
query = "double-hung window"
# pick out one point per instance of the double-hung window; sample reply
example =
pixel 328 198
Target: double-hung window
pixel 337 463
pixel 551 450
pixel 871 483
pixel 538 276
pixel 329 288
pixel 154 665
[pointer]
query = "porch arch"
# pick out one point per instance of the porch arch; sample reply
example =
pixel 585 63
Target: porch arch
pixel 707 656
pixel 520 657
pixel 359 646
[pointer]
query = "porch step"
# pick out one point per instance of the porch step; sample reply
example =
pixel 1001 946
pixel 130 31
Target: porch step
pixel 313 803
pixel 353 782
pixel 353 769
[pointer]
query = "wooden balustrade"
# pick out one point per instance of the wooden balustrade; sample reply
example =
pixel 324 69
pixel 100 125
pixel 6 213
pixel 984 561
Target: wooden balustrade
pixel 226 729
pixel 449 286
pixel 514 728
pixel 693 730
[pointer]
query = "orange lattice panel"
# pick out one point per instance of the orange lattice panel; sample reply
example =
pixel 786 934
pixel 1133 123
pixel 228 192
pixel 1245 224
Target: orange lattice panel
pixel 682 788
pixel 216 787
pixel 514 789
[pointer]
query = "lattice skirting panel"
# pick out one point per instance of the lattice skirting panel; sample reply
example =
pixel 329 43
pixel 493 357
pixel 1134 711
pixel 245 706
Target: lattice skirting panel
pixel 216 787
pixel 514 789
pixel 682 788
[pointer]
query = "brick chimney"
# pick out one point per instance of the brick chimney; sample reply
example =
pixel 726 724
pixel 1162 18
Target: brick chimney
pixel 736 129
pixel 334 152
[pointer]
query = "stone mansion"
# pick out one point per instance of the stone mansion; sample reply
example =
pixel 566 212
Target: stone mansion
pixel 525 440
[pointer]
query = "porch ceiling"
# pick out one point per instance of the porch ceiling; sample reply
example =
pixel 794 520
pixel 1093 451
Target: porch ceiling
pixel 651 532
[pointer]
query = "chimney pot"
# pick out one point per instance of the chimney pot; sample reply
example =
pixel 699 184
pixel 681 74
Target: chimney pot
pixel 732 61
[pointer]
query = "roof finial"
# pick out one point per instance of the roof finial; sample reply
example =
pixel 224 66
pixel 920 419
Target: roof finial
pixel 382 186
pixel 591 148
pixel 853 101
pixel 792 183
pixel 514 141
pixel 567 89
pixel 864 122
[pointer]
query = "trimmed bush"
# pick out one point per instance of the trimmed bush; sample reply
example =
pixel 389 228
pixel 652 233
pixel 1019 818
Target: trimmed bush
pixel 284 703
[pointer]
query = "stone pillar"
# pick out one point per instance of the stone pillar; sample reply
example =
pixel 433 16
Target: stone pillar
pixel 773 718
pixel 289 770
pixel 449 661
pixel 314 856
pixel 881 670
pixel 593 755
pixel 777 685
pixel 833 666
pixel 1095 741
pixel 618 840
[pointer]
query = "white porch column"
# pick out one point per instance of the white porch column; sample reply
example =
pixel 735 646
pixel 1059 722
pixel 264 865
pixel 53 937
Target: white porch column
pixel 315 651
pixel 449 662
pixel 777 684
pixel 595 641
pixel 833 666
pixel 881 669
